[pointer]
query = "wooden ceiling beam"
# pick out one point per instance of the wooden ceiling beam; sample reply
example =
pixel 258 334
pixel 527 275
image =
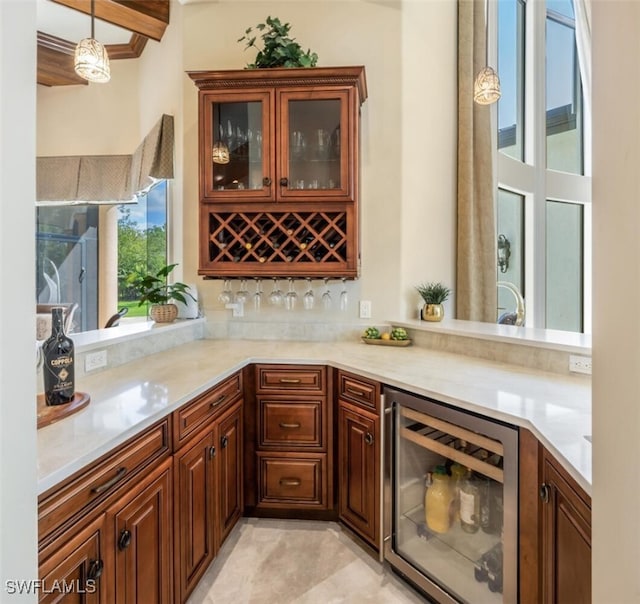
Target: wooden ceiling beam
pixel 149 18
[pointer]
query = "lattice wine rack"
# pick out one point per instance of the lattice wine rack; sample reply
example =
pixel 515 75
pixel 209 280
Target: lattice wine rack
pixel 279 244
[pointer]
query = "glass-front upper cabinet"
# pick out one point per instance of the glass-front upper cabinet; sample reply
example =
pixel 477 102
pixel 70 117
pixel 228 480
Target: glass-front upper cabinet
pixel 236 161
pixel 313 151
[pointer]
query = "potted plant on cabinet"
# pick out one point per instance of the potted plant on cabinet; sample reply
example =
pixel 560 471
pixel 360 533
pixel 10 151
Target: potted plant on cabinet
pixel 155 290
pixel 433 294
pixel 278 49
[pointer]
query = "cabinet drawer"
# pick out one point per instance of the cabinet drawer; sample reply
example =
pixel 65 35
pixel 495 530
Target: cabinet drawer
pixel 360 391
pixel 285 378
pixel 195 414
pixel 98 482
pixel 288 423
pixel 298 480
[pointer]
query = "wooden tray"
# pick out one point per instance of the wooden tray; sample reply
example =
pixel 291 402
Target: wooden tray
pixel 381 342
pixel 47 414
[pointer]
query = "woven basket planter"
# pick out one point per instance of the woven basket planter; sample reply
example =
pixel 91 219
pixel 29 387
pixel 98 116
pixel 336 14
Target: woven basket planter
pixel 164 313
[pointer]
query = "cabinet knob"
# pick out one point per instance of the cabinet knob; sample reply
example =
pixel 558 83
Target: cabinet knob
pixel 212 452
pixel 284 182
pixel 266 181
pixel 368 438
pixel 224 441
pixel 125 539
pixel 545 492
pixel 95 569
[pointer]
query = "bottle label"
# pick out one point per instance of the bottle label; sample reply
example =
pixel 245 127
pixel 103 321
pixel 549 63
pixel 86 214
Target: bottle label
pixel 467 508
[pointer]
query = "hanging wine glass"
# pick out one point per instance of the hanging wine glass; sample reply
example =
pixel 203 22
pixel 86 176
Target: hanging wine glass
pixel 242 295
pixel 226 295
pixel 308 300
pixel 344 300
pixel 276 296
pixel 257 297
pixel 291 297
pixel 326 296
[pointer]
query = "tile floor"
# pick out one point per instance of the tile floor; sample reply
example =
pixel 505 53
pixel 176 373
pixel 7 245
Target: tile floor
pixel 267 561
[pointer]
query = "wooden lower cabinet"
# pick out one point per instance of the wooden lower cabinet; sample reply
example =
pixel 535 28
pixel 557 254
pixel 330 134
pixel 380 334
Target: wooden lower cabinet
pixel 140 529
pixel 359 471
pixel 208 497
pixel 74 563
pixel 566 537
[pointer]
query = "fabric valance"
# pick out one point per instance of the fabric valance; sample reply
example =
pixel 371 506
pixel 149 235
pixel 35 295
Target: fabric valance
pixel 107 179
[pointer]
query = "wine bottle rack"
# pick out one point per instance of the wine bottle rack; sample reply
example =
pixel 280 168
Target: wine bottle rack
pixel 279 244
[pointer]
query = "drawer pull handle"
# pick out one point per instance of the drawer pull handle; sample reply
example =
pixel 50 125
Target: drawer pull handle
pixel 354 391
pixel 217 401
pixel 368 438
pixel 289 426
pixel 95 570
pixel 290 380
pixel 125 540
pixel 107 485
pixel 290 482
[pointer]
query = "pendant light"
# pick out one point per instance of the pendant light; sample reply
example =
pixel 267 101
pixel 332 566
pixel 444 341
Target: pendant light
pixel 91 60
pixel 486 88
pixel 220 152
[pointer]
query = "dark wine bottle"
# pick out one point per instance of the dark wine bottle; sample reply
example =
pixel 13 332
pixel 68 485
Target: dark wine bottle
pixel 58 365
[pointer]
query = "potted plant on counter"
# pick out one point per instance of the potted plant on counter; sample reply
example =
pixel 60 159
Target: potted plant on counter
pixel 155 290
pixel 433 294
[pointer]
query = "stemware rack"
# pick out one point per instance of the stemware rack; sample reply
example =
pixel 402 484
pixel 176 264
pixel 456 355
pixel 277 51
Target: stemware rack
pixel 278 243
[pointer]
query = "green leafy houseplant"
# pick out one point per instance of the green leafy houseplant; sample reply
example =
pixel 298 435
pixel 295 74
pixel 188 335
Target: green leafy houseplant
pixel 433 293
pixel 155 290
pixel 278 49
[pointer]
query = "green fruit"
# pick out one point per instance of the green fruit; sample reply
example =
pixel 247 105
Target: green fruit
pixel 399 333
pixel 371 333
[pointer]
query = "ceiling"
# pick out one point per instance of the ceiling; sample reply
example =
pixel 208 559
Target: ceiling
pixel 123 26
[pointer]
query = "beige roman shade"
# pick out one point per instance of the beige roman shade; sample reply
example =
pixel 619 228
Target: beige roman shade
pixel 107 179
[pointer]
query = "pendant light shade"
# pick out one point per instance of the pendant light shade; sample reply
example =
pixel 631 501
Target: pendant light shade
pixel 91 60
pixel 220 153
pixel 486 88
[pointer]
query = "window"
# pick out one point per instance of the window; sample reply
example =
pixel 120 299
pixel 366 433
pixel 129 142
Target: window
pixel 72 268
pixel 544 191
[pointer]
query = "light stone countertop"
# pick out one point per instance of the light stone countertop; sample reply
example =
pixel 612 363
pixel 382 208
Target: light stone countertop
pixel 129 398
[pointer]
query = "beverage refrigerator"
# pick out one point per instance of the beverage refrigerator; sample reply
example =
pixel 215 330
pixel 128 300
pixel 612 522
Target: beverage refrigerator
pixel 450 500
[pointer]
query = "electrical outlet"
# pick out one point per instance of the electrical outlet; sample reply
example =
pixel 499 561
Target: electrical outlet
pixel 579 364
pixel 365 309
pixel 95 360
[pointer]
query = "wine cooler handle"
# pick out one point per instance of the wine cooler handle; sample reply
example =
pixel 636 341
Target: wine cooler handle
pixel 266 181
pixel 368 438
pixel 545 491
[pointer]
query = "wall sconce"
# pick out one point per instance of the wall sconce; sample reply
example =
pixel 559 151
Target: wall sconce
pixel 504 253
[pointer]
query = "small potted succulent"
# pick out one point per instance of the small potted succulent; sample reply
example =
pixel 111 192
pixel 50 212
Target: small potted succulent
pixel 155 290
pixel 278 49
pixel 433 294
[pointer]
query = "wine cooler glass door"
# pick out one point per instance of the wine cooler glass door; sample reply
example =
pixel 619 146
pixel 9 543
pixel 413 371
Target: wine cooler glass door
pixel 453 501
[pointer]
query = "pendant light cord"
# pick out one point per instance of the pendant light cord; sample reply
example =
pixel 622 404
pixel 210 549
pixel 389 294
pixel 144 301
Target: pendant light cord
pixel 93 37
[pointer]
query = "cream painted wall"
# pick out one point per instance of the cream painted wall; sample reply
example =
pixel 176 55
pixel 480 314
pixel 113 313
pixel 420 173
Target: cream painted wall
pixel 18 498
pixel 616 335
pixel 408 136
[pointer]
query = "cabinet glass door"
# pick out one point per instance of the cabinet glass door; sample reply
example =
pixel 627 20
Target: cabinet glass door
pixel 314 154
pixel 236 159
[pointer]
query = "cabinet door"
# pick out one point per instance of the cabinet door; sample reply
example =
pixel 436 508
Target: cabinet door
pixel 141 525
pixel 236 161
pixel 230 469
pixel 316 145
pixel 195 513
pixel 71 568
pixel 359 482
pixel 566 540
